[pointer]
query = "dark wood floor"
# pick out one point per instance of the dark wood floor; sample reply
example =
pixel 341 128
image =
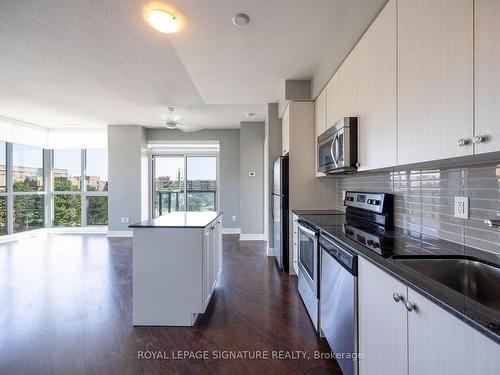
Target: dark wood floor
pixel 66 308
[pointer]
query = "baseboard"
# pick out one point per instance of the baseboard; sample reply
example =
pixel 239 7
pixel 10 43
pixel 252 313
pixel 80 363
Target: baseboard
pixel 41 232
pixel 78 230
pixel 120 233
pixel 231 230
pixel 270 251
pixel 252 237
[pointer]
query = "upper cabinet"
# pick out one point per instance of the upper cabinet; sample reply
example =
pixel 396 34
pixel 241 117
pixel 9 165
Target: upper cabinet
pixel 285 132
pixel 332 101
pixel 348 86
pixel 487 76
pixel 320 123
pixel 435 79
pixel 376 92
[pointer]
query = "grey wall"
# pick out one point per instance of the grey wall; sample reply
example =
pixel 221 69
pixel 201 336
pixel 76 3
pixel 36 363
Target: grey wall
pixel 229 164
pixel 424 200
pixel 274 151
pixel 126 145
pixel 252 135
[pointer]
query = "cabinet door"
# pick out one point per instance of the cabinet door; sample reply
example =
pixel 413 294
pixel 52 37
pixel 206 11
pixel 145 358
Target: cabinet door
pixel 487 75
pixel 295 243
pixel 207 271
pixel 332 101
pixel 441 344
pixel 377 92
pixel 435 78
pixel 382 322
pixel 285 131
pixel 218 248
pixel 348 85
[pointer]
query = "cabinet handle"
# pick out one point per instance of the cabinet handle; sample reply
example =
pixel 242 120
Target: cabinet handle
pixel 462 142
pixel 410 306
pixel 479 139
pixel 398 297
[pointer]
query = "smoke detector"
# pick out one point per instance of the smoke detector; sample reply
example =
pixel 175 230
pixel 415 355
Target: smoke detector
pixel 241 19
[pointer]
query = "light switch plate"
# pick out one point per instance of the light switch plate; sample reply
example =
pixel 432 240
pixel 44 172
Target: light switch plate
pixel 462 207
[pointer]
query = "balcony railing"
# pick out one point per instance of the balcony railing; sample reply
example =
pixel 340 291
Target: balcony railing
pixel 174 200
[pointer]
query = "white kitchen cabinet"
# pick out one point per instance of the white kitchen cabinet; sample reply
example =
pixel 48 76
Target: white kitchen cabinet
pixel 440 344
pixel 333 101
pixel 295 243
pixel 212 258
pixel 285 132
pixel 348 86
pixel 487 75
pixel 320 123
pixel 435 79
pixel 377 127
pixel 426 340
pixel 382 322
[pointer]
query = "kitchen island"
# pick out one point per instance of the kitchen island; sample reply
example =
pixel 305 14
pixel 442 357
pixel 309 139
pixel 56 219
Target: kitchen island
pixel 177 259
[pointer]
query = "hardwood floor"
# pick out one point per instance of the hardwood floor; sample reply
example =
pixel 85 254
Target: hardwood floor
pixel 66 308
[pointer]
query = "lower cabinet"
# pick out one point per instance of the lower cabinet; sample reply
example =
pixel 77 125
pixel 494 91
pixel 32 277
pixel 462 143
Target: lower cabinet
pixel 212 258
pixel 421 338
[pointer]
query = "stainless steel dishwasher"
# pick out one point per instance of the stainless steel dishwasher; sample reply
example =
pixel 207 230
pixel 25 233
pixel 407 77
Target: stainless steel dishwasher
pixel 338 302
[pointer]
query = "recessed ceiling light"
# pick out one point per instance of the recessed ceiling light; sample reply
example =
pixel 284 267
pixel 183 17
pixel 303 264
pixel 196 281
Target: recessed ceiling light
pixel 241 19
pixel 162 21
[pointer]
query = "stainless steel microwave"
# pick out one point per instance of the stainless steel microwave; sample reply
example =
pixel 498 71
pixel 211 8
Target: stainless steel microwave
pixel 338 147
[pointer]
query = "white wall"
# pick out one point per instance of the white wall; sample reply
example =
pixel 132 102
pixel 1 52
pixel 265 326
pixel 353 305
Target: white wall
pixel 252 136
pixel 127 190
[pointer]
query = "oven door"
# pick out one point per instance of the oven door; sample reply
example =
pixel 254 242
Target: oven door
pixel 308 257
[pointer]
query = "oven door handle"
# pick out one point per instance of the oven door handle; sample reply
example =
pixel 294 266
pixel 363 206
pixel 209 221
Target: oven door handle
pixel 334 153
pixel 307 230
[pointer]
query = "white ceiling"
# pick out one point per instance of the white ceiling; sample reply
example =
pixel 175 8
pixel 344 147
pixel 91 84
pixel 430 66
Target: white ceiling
pixel 92 63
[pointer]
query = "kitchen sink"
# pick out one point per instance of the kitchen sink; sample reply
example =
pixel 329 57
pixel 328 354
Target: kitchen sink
pixel 469 276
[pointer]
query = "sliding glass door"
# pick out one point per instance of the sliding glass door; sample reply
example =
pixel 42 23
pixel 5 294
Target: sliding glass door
pixel 184 183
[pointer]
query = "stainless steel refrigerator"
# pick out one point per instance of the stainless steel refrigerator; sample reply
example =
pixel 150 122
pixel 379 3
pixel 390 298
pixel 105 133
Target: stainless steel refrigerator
pixel 280 211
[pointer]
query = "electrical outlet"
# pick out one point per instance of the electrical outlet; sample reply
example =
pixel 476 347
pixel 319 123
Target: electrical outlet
pixel 127 219
pixel 122 219
pixel 462 207
pixel 234 217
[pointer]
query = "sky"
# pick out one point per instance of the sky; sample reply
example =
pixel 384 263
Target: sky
pixel 198 168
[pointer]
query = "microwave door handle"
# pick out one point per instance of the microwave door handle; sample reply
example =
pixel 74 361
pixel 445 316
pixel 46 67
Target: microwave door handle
pixel 334 144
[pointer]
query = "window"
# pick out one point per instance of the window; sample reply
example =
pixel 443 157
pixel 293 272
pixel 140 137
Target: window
pixel 67 170
pixel 28 212
pixel 27 169
pixel 201 183
pixel 3 167
pixel 97 210
pixel 67 210
pixel 184 183
pixel 97 170
pixel 76 195
pixel 3 215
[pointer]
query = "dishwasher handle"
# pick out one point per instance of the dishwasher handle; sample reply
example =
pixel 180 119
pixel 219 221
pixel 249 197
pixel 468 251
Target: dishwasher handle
pixel 343 256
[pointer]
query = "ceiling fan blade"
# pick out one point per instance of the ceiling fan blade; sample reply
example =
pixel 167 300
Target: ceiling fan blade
pixel 188 128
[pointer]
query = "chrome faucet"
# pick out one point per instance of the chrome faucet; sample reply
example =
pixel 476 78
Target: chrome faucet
pixel 492 223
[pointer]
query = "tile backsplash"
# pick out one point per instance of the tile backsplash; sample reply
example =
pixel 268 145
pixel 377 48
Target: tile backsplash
pixel 424 200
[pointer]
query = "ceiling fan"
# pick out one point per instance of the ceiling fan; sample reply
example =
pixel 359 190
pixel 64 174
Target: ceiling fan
pixel 172 122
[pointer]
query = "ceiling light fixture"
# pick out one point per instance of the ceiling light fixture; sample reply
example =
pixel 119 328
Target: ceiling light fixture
pixel 162 21
pixel 241 19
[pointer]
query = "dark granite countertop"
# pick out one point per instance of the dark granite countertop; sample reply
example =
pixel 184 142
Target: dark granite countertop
pixel 318 212
pixel 405 243
pixel 179 220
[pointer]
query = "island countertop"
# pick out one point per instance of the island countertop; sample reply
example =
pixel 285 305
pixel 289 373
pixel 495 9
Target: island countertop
pixel 180 219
